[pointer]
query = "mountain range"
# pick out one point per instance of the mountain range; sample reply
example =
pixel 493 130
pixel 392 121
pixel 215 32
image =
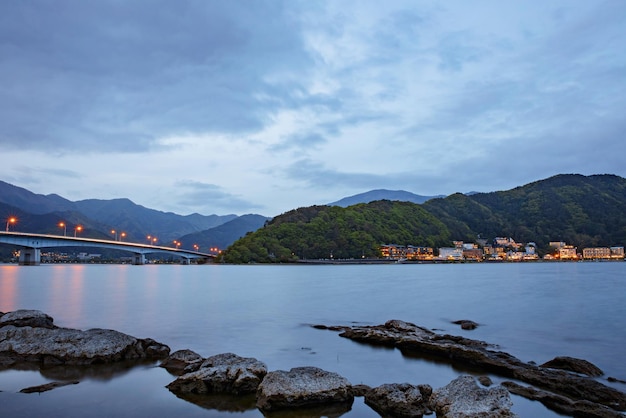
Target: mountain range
pixel 583 210
pixel 382 194
pixel 99 218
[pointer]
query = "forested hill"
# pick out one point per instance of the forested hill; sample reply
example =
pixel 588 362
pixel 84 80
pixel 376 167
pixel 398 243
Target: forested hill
pixel 584 211
pixel 581 210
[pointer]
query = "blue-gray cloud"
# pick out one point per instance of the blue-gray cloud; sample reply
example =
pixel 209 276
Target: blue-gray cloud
pixel 431 97
pixel 192 195
pixel 113 76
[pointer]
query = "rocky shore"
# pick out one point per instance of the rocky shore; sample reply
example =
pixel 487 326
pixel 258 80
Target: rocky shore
pixel 229 382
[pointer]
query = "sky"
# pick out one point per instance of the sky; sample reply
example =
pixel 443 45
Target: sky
pixel 254 106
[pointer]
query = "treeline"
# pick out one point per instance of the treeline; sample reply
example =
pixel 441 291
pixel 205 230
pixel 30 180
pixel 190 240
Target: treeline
pixel 585 211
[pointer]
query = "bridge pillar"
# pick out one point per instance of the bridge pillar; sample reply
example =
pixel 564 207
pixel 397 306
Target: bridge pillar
pixel 139 259
pixel 30 257
pixel 185 261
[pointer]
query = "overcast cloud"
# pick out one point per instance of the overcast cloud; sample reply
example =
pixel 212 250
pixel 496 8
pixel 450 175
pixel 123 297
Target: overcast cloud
pixel 255 106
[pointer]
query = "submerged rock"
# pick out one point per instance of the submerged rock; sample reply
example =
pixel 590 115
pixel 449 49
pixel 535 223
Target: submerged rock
pixel 304 387
pixel 466 324
pixel 463 398
pixel 223 373
pixel 562 404
pixel 47 386
pixel 400 400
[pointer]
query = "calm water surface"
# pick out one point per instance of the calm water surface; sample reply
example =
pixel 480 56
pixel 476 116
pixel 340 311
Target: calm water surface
pixel 535 311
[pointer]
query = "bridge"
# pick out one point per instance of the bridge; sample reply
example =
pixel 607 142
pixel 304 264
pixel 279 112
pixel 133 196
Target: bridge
pixel 31 244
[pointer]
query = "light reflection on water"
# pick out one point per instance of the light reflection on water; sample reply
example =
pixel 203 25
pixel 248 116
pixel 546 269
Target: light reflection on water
pixel 534 311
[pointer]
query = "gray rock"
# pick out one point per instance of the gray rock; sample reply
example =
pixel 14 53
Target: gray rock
pixel 414 341
pixel 574 365
pixel 463 398
pixel 47 386
pixel 223 373
pixel 180 361
pixel 466 324
pixel 57 346
pixel 561 404
pixel 401 400
pixel 27 318
pixel 303 387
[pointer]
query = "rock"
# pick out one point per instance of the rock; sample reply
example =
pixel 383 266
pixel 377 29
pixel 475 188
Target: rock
pixel 360 390
pixel 46 387
pixel 466 324
pixel 485 380
pixel 415 341
pixel 574 365
pixel 223 373
pixel 303 387
pixel 49 346
pixel 27 318
pixel 182 361
pixel 562 404
pixel 463 398
pixel 400 400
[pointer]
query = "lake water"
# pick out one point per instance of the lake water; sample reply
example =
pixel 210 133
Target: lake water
pixel 535 311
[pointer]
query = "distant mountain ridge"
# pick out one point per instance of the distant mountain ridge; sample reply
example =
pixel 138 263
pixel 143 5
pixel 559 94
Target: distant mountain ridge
pixel 117 214
pixel 382 194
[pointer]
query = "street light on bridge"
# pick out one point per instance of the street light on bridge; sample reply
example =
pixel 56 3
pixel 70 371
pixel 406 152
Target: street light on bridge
pixel 114 232
pixel 11 220
pixel 77 229
pixel 122 235
pixel 64 226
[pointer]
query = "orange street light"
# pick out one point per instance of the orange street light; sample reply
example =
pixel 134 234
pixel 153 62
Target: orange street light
pixel 154 240
pixel 122 235
pixel 195 247
pixel 11 220
pixel 77 229
pixel 64 226
pixel 114 232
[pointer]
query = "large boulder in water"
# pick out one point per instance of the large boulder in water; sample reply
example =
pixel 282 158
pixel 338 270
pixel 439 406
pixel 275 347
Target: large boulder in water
pixel 223 373
pixel 463 398
pixel 304 387
pixel 29 336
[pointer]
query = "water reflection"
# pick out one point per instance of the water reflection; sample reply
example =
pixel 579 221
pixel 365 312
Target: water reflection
pixel 8 287
pixel 99 372
pixel 218 402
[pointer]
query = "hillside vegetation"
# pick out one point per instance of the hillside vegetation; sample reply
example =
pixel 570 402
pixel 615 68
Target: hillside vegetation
pixel 333 232
pixel 581 210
